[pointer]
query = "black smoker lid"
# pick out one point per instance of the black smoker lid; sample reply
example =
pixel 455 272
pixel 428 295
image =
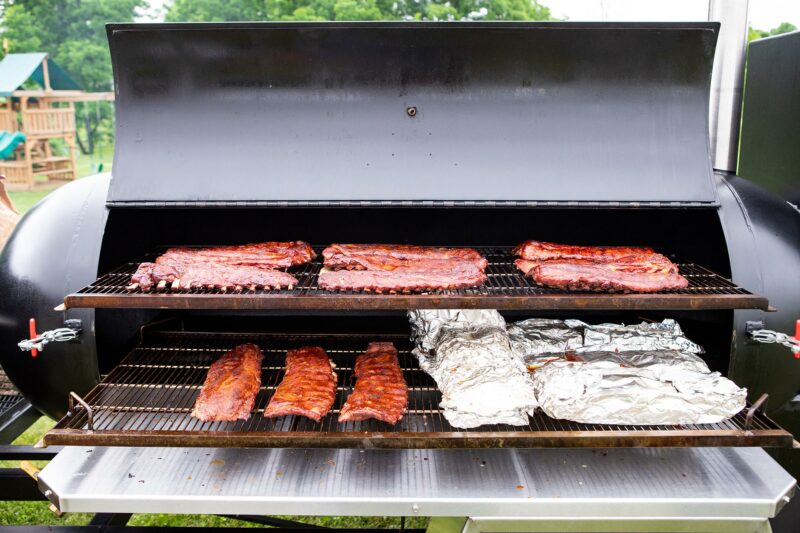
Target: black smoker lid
pixel 287 112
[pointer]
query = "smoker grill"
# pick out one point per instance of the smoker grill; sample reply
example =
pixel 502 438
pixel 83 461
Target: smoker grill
pixel 479 135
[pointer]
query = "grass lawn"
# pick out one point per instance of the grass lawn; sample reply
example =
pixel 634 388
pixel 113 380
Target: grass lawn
pixel 86 165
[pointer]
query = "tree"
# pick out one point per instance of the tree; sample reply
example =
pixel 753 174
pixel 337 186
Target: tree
pixel 65 29
pixel 783 27
pixel 217 10
pixel 72 33
pixel 228 10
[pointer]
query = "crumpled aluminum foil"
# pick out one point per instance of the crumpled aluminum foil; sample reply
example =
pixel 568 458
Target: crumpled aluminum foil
pixel 469 355
pixel 665 335
pixel 426 323
pixel 544 335
pixel 537 336
pixel 635 388
pixel 642 374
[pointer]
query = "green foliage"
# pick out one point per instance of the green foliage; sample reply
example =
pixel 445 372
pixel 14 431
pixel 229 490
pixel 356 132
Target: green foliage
pixel 71 31
pixel 20 29
pixel 783 27
pixel 216 10
pixel 228 10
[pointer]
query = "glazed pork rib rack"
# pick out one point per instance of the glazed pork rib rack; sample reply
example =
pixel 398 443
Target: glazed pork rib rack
pixel 230 388
pixel 381 391
pixel 308 387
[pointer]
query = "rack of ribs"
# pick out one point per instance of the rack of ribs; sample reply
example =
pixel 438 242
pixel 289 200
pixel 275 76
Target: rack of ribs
pixel 230 388
pixel 548 251
pixel 598 268
pixel 400 268
pixel 392 256
pixel 455 276
pixel 308 387
pixel 263 254
pixel 601 277
pixel 380 390
pixel 224 267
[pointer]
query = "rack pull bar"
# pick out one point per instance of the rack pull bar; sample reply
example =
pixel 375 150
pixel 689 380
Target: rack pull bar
pixel 759 405
pixel 71 405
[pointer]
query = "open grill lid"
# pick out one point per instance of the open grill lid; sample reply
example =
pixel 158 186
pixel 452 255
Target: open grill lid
pixel 464 112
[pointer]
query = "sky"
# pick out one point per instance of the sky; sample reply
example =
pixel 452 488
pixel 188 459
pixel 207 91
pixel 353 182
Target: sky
pixel 764 14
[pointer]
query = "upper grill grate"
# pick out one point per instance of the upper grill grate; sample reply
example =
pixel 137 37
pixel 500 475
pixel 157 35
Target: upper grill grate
pixel 506 288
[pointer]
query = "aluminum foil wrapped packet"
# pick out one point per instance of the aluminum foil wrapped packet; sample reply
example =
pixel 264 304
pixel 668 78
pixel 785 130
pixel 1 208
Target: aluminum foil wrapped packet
pixel 664 335
pixel 537 336
pixel 427 323
pixel 635 388
pixel 469 355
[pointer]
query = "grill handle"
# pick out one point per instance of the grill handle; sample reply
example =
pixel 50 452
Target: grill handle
pixel 758 405
pixel 71 406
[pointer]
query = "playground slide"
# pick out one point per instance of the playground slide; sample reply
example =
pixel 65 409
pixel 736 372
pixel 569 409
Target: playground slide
pixel 9 142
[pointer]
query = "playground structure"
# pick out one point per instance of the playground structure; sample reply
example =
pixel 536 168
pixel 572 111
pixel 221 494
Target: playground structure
pixel 33 117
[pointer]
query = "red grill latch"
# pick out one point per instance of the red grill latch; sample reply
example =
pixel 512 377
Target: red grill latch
pixel 33 335
pixel 797 337
pixel 38 341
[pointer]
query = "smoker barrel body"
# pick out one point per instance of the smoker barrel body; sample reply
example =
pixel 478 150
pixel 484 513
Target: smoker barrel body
pixel 41 266
pixel 54 248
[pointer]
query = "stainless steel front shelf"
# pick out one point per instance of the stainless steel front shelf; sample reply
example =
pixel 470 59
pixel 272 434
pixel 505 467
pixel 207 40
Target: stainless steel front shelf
pixel 579 483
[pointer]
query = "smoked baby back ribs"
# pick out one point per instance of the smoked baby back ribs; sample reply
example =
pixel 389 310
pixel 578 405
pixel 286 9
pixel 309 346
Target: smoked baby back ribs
pixel 224 267
pixel 391 256
pixel 210 275
pixel 308 388
pixel 456 275
pixel 380 392
pixel 263 254
pixel 230 388
pixel 603 277
pixel 547 251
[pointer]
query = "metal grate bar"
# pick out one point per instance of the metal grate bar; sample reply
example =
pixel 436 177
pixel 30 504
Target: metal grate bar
pixel 147 401
pixel 505 288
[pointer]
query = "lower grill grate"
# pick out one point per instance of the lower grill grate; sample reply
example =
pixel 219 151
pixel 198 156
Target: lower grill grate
pixel 147 401
pixel 9 397
pixel 506 288
pixel 7 401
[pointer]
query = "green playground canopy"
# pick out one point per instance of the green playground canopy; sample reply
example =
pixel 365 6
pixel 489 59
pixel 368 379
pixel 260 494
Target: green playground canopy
pixel 16 69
